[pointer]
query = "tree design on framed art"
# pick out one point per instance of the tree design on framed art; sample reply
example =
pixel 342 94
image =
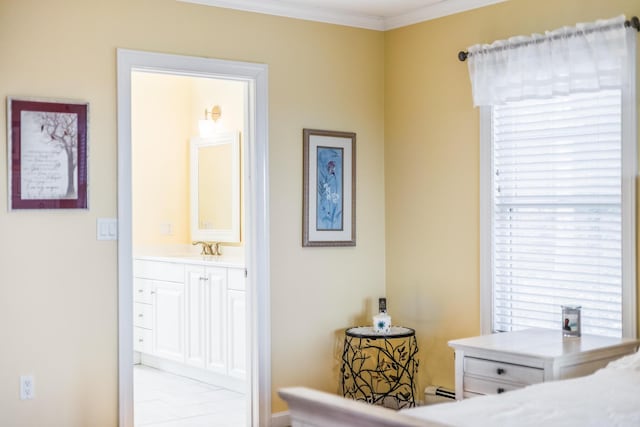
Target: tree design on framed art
pixel 47 154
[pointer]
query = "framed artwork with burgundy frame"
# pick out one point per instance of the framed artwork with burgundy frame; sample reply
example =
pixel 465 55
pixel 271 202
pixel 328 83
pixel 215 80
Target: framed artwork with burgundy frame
pixel 47 153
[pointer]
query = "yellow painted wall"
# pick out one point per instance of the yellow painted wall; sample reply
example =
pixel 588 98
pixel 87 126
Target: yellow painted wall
pixel 58 285
pixel 405 95
pixel 432 166
pixel 165 113
pixel 162 121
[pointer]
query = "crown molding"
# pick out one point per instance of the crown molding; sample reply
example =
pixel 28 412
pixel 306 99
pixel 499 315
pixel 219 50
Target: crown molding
pixel 435 10
pixel 339 17
pixel 330 16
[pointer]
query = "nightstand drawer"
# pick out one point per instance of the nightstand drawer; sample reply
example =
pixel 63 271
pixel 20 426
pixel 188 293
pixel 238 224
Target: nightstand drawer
pixel 503 361
pixel 485 386
pixel 502 371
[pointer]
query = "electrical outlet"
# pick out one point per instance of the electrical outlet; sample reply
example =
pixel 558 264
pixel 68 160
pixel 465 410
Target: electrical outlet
pixel 27 387
pixel 166 229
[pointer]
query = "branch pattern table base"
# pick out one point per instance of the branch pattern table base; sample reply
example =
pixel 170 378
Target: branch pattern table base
pixel 380 369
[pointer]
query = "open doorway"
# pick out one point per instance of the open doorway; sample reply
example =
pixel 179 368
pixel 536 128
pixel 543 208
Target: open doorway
pixel 174 322
pixel 189 298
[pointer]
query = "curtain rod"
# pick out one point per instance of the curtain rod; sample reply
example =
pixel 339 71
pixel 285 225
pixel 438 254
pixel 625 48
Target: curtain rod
pixel 634 22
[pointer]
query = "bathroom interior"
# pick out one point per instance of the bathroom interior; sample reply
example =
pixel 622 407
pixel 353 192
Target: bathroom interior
pixel 190 349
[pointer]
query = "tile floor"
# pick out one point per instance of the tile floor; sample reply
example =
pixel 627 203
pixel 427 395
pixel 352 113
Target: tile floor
pixel 166 400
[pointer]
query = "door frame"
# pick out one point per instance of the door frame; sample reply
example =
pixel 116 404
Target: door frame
pixel 256 202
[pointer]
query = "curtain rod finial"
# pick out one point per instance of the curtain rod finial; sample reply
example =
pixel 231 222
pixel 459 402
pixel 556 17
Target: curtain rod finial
pixel 462 56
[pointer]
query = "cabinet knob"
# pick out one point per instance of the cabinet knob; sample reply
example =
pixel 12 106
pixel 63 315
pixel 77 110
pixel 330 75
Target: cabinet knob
pixel 140 291
pixel 140 340
pixel 153 292
pixel 500 390
pixel 500 371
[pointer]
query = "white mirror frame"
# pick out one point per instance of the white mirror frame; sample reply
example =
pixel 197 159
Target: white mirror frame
pixel 231 235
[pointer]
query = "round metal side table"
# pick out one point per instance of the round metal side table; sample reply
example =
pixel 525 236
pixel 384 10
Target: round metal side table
pixel 380 368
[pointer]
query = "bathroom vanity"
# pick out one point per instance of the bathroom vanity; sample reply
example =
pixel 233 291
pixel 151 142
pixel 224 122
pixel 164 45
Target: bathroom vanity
pixel 189 317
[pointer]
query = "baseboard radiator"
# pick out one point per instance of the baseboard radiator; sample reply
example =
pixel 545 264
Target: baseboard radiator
pixel 436 394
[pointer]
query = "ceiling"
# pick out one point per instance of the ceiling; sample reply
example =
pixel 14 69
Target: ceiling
pixel 372 14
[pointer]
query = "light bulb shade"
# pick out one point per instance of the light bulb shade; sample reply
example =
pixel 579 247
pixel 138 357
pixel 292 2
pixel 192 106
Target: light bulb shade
pixel 206 128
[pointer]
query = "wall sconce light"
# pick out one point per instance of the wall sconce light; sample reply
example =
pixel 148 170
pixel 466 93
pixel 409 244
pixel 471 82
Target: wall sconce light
pixel 214 114
pixel 208 125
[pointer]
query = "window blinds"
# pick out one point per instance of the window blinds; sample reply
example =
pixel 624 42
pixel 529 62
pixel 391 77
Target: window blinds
pixel 557 212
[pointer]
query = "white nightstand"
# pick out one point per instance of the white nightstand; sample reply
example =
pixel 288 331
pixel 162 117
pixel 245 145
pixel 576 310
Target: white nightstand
pixel 491 364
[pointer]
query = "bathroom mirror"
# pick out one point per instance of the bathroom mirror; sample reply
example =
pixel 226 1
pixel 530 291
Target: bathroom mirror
pixel 215 188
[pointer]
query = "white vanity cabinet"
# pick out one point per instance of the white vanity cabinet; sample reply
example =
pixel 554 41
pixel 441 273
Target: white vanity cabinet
pixel 159 309
pixel 216 307
pixel 168 320
pixel 189 318
pixel 236 324
pixel 206 326
pixel 142 316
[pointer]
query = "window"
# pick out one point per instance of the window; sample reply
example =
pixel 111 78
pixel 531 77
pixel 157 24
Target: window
pixel 556 222
pixel 557 177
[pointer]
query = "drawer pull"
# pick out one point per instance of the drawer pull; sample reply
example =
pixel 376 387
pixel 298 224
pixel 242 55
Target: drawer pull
pixel 140 340
pixel 140 315
pixel 500 371
pixel 500 390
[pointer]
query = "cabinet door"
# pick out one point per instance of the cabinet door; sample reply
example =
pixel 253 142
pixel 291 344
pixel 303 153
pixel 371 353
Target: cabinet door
pixel 237 333
pixel 168 320
pixel 215 319
pixel 195 316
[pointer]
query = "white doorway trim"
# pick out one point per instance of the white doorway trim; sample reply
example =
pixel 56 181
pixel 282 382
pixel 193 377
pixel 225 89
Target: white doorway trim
pixel 256 212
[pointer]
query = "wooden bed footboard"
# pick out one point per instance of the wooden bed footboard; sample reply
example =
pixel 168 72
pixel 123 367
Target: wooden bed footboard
pixel 313 408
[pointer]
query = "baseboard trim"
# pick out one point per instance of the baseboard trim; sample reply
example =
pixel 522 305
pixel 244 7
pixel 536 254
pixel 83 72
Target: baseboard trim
pixel 198 374
pixel 281 419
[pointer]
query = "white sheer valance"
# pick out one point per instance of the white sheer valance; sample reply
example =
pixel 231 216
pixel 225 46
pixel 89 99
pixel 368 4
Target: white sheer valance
pixel 587 57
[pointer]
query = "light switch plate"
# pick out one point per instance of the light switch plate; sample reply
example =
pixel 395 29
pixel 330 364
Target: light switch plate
pixel 107 229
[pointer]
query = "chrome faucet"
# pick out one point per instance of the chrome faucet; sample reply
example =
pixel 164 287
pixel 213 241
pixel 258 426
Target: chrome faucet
pixel 208 248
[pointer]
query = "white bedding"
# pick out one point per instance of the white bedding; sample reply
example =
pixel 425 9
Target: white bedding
pixel 610 397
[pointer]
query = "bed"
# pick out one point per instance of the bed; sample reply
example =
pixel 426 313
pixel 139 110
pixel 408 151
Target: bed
pixel 608 397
